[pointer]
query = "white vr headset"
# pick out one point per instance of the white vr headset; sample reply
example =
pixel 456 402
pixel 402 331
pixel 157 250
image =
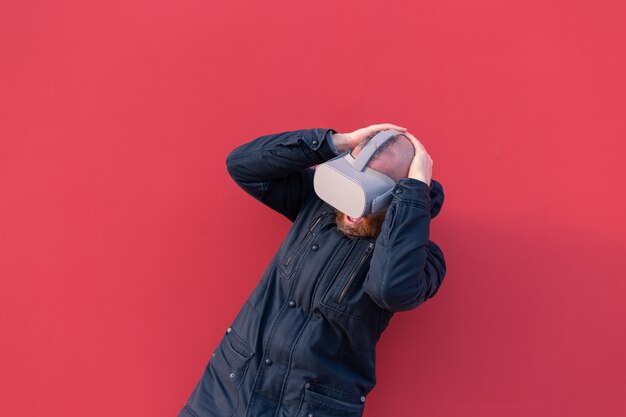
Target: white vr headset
pixel 352 188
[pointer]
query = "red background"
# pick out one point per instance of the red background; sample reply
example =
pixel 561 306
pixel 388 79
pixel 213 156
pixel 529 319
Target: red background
pixel 126 249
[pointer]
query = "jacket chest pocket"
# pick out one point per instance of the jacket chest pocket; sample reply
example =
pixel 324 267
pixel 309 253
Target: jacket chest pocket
pixel 295 251
pixel 345 293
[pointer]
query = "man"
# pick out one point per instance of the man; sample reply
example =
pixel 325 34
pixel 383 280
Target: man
pixel 304 343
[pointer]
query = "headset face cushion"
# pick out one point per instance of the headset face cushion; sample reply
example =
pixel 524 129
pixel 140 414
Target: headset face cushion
pixel 347 189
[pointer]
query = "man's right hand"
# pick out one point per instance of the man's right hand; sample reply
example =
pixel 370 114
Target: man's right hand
pixel 348 141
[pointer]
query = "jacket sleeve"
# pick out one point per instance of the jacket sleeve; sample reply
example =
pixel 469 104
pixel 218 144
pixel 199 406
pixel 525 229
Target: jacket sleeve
pixel 276 169
pixel 406 267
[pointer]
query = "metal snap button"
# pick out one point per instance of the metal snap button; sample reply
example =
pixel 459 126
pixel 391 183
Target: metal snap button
pixel 315 246
pixel 307 385
pixel 292 303
pixel 268 361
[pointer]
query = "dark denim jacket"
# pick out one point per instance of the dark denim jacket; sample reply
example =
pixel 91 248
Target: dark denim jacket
pixel 304 342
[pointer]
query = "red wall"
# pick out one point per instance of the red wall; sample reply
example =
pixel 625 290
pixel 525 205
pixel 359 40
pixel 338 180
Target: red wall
pixel 126 250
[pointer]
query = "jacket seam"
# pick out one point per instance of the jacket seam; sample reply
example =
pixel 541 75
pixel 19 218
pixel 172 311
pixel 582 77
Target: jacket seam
pixel 191 411
pixel 293 348
pixel 382 282
pixel 414 204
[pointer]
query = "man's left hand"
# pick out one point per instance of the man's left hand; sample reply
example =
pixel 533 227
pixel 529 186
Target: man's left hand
pixel 422 165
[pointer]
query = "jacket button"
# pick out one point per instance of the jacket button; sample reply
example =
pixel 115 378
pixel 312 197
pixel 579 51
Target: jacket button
pixel 309 415
pixel 314 142
pixel 362 399
pixel 307 385
pixel 315 247
pixel 228 330
pixel 292 304
pixel 398 190
pixel 268 361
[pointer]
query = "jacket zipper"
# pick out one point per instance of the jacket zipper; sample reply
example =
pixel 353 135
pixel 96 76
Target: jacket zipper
pixel 286 263
pixel 344 290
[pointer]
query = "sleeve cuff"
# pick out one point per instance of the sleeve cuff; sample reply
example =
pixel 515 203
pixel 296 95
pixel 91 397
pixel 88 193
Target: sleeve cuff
pixel 319 140
pixel 329 140
pixel 412 191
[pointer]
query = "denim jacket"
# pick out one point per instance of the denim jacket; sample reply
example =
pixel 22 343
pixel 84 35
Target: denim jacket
pixel 304 342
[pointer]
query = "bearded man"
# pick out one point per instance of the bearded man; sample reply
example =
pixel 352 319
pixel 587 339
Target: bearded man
pixel 304 342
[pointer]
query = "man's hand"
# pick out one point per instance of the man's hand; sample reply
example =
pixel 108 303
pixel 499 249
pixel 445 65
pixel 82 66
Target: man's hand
pixel 422 165
pixel 348 141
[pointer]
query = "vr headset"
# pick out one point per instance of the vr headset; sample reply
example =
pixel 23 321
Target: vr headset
pixel 348 185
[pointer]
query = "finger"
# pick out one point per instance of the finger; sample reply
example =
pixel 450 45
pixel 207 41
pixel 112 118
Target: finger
pixel 386 126
pixel 414 140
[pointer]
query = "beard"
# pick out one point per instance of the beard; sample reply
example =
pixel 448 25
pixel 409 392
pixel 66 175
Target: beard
pixel 368 227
